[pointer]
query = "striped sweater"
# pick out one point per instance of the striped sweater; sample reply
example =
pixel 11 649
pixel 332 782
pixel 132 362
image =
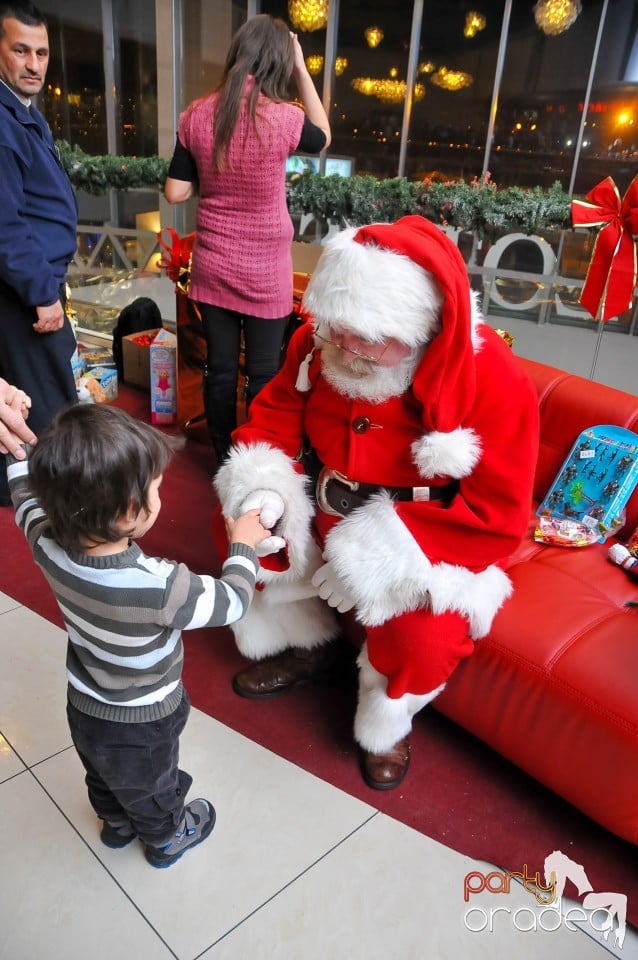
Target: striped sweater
pixel 125 613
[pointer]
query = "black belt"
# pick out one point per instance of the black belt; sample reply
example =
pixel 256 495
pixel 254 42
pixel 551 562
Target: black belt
pixel 338 496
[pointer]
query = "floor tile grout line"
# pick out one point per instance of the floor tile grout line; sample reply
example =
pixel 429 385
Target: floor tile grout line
pixel 103 865
pixel 17 606
pixel 294 879
pixel 30 766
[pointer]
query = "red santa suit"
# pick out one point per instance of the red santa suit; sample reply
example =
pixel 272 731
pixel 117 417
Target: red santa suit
pixel 443 449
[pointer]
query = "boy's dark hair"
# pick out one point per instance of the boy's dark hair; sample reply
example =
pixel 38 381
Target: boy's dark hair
pixel 25 12
pixel 91 466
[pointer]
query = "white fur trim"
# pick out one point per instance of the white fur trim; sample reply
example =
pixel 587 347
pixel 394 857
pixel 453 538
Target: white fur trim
pixel 358 546
pixel 373 292
pixel 276 622
pixel 302 383
pixel 386 572
pixel 477 596
pixel 259 466
pixel 380 722
pixel 453 454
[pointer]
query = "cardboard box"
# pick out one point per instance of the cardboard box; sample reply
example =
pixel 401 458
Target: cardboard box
pixel 163 373
pixel 136 357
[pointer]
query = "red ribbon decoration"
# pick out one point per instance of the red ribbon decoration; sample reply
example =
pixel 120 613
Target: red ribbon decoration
pixel 611 277
pixel 178 253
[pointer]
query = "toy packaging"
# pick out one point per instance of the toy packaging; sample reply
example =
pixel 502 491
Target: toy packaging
pixel 163 373
pixel 106 378
pixel 586 502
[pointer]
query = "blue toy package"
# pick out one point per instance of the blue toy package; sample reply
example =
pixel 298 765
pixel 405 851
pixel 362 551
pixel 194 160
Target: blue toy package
pixel 586 502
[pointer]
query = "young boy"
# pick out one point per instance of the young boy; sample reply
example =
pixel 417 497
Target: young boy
pixel 88 491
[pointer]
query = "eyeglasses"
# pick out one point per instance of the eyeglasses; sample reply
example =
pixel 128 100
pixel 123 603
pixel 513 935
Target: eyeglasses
pixel 353 351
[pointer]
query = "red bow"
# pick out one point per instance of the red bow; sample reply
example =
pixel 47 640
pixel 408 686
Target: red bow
pixel 611 277
pixel 179 253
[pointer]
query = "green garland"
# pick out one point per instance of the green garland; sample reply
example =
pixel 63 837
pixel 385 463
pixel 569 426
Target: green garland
pixel 358 200
pixel 96 175
pixel 480 207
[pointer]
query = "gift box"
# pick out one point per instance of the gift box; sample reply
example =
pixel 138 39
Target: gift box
pixel 163 377
pixel 136 358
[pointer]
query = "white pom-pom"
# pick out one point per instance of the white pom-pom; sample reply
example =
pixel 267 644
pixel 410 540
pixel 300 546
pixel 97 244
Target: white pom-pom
pixel 302 383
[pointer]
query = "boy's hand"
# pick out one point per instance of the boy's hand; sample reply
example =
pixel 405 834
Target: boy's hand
pixel 246 529
pixel 269 502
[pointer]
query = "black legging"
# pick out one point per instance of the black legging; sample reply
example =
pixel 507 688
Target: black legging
pixel 262 350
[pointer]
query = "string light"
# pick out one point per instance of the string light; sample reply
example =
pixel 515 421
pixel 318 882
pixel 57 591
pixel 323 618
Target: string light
pixel 341 64
pixel 556 16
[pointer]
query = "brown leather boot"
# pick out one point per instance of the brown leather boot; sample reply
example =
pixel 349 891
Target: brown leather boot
pixel 283 671
pixel 385 771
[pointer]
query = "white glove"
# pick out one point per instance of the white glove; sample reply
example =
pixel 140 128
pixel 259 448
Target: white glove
pixel 331 590
pixel 268 502
pixel 270 545
pixel 618 553
pixel 272 508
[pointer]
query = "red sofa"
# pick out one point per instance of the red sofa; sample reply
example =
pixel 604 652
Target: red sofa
pixel 554 686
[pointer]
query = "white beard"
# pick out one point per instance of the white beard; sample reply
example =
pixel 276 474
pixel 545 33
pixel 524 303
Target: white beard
pixel 363 380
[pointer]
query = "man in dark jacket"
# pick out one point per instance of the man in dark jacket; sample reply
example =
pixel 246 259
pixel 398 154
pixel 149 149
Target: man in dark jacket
pixel 38 226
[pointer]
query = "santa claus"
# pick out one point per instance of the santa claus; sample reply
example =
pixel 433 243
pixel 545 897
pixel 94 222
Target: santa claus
pixel 392 457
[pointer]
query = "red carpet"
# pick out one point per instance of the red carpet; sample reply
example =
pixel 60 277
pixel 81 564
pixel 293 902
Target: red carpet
pixel 458 791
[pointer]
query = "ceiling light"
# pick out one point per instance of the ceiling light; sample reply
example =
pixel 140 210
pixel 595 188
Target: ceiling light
pixel 308 15
pixel 556 16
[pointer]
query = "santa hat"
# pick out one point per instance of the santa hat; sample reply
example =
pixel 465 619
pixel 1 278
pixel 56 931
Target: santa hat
pixel 405 280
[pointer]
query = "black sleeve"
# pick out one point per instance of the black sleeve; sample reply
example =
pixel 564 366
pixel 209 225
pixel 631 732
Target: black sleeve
pixel 182 165
pixel 312 139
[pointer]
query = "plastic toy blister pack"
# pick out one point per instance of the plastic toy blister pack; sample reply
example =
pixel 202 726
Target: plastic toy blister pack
pixel 586 502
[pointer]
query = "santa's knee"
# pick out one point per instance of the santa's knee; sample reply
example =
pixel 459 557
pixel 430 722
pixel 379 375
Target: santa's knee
pixel 282 617
pixel 418 651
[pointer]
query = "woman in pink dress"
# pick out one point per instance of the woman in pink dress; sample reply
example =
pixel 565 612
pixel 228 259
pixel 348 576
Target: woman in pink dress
pixel 231 151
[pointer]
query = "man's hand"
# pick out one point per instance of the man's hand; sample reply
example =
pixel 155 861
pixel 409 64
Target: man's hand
pixel 331 589
pixel 14 408
pixel 50 318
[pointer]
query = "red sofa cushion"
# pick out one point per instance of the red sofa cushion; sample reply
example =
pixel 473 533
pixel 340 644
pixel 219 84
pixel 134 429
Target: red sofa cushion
pixel 569 404
pixel 553 685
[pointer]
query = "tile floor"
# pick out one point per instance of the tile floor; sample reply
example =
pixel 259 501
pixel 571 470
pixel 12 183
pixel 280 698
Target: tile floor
pixel 294 870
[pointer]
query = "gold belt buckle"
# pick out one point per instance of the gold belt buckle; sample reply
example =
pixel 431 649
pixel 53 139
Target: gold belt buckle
pixel 325 475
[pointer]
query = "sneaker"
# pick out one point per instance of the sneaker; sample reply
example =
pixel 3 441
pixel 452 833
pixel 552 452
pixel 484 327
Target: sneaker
pixel 116 835
pixel 198 822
